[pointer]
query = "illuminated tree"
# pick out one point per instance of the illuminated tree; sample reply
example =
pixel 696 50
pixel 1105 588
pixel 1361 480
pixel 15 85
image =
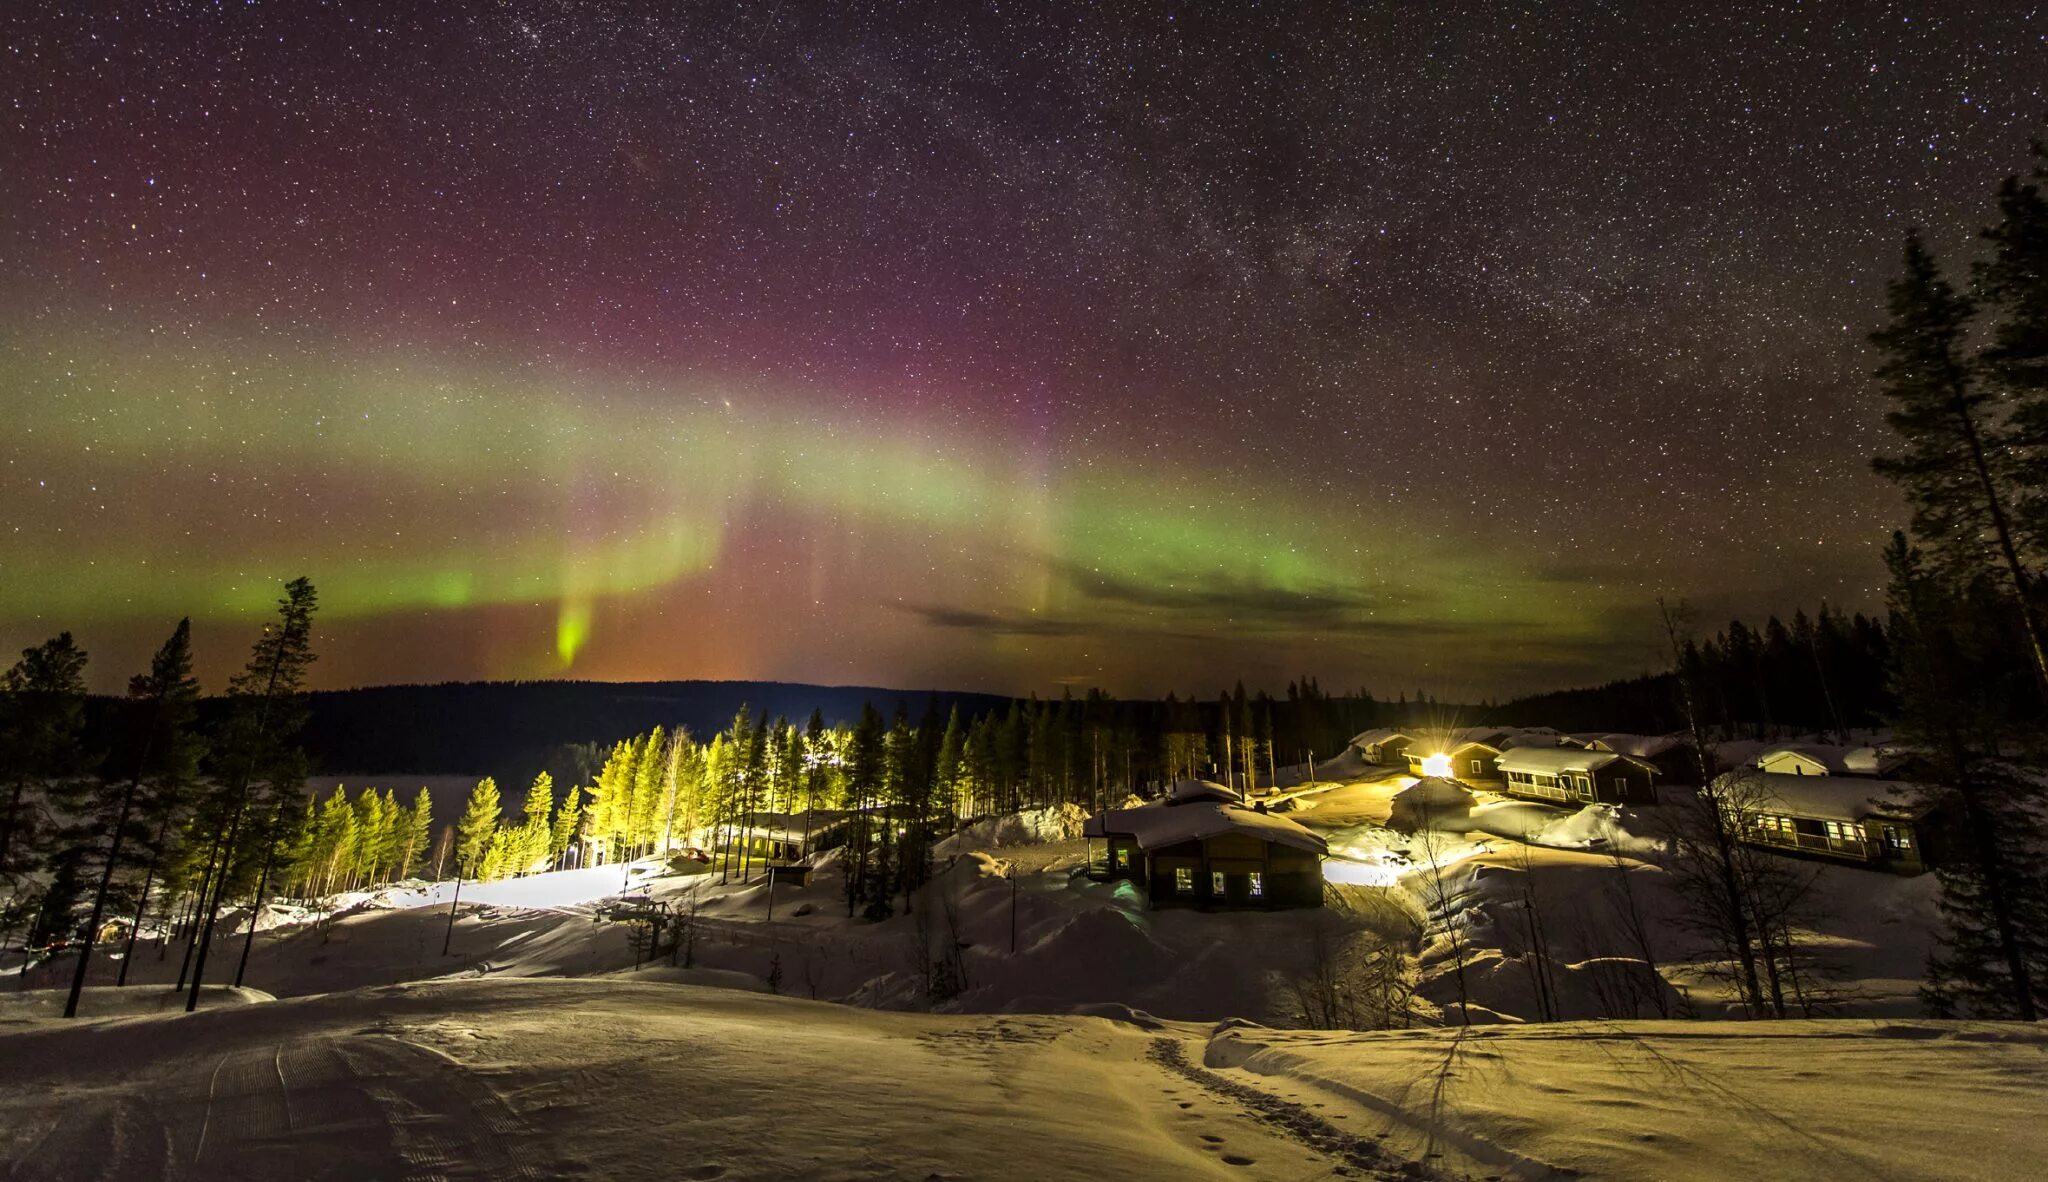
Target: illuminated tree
pixel 479 821
pixel 418 829
pixel 536 829
pixel 568 824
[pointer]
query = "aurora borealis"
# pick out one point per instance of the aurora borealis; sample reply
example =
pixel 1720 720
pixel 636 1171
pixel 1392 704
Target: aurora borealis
pixel 977 346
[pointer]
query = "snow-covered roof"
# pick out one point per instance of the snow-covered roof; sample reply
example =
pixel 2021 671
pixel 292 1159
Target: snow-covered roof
pixel 1827 798
pixel 1192 790
pixel 1378 735
pixel 1640 746
pixel 1549 761
pixel 1156 826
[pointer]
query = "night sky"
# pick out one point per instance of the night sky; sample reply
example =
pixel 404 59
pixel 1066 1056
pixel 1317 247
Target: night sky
pixel 989 346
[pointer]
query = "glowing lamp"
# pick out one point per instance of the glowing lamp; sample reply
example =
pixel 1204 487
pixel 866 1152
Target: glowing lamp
pixel 1437 765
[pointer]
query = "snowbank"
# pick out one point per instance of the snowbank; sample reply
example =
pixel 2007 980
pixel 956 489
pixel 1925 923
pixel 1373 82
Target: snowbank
pixel 108 1001
pixel 1061 822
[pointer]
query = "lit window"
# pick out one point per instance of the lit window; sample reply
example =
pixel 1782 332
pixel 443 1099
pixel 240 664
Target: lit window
pixel 1183 880
pixel 1216 883
pixel 1121 858
pixel 1258 890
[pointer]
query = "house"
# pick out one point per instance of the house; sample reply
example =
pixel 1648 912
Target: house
pixel 1467 755
pixel 1207 853
pixel 1824 759
pixel 1672 756
pixel 1851 819
pixel 781 838
pixel 1577 774
pixel 1382 745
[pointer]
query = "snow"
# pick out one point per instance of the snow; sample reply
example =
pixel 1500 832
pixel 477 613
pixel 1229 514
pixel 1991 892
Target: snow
pixel 1549 761
pixel 1073 964
pixel 1156 826
pixel 1843 798
pixel 616 1078
pixel 1680 1101
pixel 1061 822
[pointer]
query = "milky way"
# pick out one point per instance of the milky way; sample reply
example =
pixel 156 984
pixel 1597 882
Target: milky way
pixel 989 346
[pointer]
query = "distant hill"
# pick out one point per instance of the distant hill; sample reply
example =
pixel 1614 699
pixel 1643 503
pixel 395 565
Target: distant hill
pixel 514 727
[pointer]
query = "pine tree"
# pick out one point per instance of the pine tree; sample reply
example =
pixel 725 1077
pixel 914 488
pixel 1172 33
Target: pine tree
pixel 1948 469
pixel 266 711
pixel 419 833
pixel 2013 284
pixel 1954 713
pixel 161 750
pixel 41 737
pixel 473 832
pixel 536 826
pixel 568 824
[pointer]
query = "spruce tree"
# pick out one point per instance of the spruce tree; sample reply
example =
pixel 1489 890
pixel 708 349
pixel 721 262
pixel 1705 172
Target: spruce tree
pixel 567 824
pixel 473 832
pixel 536 824
pixel 419 833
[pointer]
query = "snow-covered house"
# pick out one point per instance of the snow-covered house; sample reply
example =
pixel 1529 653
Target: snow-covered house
pixel 1846 818
pixel 1382 745
pixel 1671 755
pixel 1207 853
pixel 1826 759
pixel 1578 774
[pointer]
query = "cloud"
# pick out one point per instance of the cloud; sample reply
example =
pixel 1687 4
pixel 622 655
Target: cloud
pixel 978 621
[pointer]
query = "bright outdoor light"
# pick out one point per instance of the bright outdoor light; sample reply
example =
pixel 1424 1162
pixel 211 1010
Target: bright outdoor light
pixel 1437 765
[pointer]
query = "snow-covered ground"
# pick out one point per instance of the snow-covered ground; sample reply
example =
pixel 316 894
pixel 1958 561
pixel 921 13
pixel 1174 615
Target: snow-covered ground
pixel 537 1025
pixel 618 1078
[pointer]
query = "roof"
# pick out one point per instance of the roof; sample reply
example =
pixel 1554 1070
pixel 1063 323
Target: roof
pixel 1837 759
pixel 1831 798
pixel 1549 761
pixel 1640 746
pixel 1377 735
pixel 1185 791
pixel 1157 826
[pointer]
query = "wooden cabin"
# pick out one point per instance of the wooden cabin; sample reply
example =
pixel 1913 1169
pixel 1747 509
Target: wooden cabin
pixel 1856 820
pixel 1383 745
pixel 1470 756
pixel 1672 756
pixel 1208 854
pixel 1577 775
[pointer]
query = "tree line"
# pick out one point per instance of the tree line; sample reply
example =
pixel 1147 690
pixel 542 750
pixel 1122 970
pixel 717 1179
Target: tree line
pixel 166 812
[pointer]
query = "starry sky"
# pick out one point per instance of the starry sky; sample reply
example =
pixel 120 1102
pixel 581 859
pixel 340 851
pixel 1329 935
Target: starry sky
pixel 980 345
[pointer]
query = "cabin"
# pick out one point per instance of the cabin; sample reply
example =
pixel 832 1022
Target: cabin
pixel 781 838
pixel 1469 755
pixel 1383 745
pixel 1577 775
pixel 1672 756
pixel 1851 819
pixel 1822 759
pixel 1207 853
